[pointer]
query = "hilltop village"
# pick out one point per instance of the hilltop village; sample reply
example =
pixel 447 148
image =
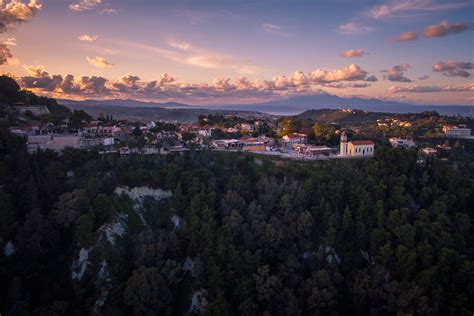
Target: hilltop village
pixel 311 135
pixel 288 137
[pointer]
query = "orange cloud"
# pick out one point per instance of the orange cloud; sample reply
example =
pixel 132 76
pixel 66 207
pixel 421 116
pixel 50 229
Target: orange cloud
pixel 130 86
pixel 452 68
pixel 396 73
pixel 87 38
pixel 99 62
pixel 353 53
pixel 444 28
pixel 407 36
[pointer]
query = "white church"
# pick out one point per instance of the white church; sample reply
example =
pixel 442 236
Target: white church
pixel 356 148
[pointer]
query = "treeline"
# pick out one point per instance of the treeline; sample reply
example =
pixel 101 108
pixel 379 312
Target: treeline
pixel 379 236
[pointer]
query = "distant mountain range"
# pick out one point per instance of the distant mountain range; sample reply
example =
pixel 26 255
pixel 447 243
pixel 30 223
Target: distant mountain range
pixel 293 105
pixel 298 104
pixel 126 103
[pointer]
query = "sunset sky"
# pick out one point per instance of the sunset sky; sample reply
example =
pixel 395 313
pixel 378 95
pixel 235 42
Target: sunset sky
pixel 210 52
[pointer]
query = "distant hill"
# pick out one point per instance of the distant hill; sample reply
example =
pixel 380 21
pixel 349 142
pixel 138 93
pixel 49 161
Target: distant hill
pixel 324 100
pixel 293 105
pixel 126 103
pixel 156 113
pixel 341 116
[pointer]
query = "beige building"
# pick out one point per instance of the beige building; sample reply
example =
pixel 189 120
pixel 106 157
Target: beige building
pixel 361 148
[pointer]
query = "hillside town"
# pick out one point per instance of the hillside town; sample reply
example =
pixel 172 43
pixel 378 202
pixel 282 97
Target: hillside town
pixel 273 135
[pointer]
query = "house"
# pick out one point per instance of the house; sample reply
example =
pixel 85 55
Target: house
pixel 227 144
pixel 150 150
pixel 429 151
pixel 92 130
pixel 121 132
pixel 294 138
pixel 28 130
pixel 455 131
pixel 356 148
pixel 401 142
pixel 252 144
pixel 232 130
pixel 35 109
pixel 247 126
pixel 312 151
pixel 166 135
pixel 205 132
pixel 109 141
pixel 54 142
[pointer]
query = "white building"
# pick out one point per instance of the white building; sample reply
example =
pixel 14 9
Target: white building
pixel 54 142
pixel 429 151
pixel 401 142
pixel 227 144
pixel 294 138
pixel 455 131
pixel 205 132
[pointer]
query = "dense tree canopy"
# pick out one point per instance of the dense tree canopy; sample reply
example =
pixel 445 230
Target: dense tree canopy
pixel 387 235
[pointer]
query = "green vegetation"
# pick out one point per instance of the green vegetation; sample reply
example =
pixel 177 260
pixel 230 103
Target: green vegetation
pixel 11 94
pixel 379 236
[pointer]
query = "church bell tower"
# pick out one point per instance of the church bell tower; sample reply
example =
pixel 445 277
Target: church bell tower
pixel 343 149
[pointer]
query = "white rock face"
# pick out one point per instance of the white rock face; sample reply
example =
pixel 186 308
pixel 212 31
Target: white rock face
pixel 198 301
pixel 79 266
pixel 9 249
pixel 104 282
pixel 188 264
pixel 176 221
pixel 139 193
pixel 115 229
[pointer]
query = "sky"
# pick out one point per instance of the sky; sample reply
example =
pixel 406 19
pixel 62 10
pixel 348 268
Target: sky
pixel 215 52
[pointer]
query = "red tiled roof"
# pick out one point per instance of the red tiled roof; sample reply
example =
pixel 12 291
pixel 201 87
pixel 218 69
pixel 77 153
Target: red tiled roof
pixel 362 142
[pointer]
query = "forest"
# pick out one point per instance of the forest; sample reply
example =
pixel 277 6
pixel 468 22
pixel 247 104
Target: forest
pixel 235 234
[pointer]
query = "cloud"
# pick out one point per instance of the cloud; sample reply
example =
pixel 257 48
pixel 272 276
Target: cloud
pixel 353 53
pixel 425 77
pixel 167 78
pixel 431 88
pixel 5 54
pixel 11 41
pixel 185 46
pixel 99 62
pixel 347 85
pixel 452 68
pixel 167 87
pixel 188 54
pixel 84 5
pixel 108 11
pixel 354 28
pixel 15 12
pixel 12 13
pixel 444 28
pixel 126 83
pixel 407 36
pixel 87 38
pixel 273 29
pixel 211 61
pixel 39 79
pixel 36 71
pixel 351 73
pixel 396 73
pixel 411 8
pixel 436 30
